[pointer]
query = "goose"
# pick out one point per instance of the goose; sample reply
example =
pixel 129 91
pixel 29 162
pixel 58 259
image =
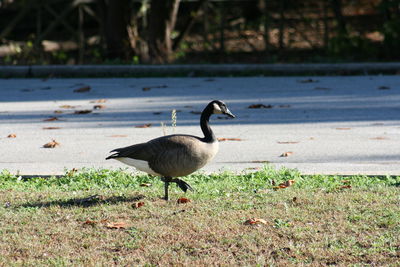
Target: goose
pixel 175 155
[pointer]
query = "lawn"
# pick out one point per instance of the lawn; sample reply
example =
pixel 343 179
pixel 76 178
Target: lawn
pixel 92 218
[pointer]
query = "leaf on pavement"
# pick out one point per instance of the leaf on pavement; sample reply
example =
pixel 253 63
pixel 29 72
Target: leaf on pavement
pixel 287 142
pixel 255 221
pixel 117 225
pixel 51 144
pixel 137 205
pixel 12 135
pixel 379 138
pixel 84 111
pixel 67 106
pixel 260 106
pixel 284 106
pixel 183 200
pixel 383 87
pixel 51 128
pixel 99 106
pixel 52 119
pixel 118 135
pixel 343 128
pixel 82 89
pixel 229 139
pixel 147 125
pixel 286 154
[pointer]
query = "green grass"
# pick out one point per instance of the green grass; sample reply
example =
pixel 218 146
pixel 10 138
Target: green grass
pixel 313 222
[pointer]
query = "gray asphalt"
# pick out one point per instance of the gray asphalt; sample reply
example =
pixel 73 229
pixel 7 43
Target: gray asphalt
pixel 332 125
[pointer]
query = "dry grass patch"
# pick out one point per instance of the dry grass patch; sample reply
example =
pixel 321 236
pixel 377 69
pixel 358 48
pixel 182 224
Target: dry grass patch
pixel 45 225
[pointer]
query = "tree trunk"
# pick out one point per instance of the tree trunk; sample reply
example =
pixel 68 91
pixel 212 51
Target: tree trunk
pixel 116 18
pixel 162 19
pixel 341 22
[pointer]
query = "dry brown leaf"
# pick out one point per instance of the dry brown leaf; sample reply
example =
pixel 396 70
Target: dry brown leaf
pixel 51 128
pixel 51 144
pixel 83 89
pixel 383 87
pixel 90 222
pixel 145 185
pixel 99 106
pixel 255 221
pixel 118 135
pixel 183 200
pixel 379 138
pixel 51 119
pixel 137 205
pixel 229 139
pixel 343 128
pixel 345 186
pixel 287 142
pixel 286 154
pixel 99 101
pixel 58 111
pixel 147 125
pixel 117 225
pixel 67 106
pixel 260 106
pixel 286 184
pixel 12 135
pixel 146 89
pixel 345 181
pixel 259 161
pixel 84 111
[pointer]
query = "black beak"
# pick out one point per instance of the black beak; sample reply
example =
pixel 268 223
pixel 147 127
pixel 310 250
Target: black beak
pixel 229 113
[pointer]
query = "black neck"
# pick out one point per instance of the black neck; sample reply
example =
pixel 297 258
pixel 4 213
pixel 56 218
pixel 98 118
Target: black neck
pixel 209 136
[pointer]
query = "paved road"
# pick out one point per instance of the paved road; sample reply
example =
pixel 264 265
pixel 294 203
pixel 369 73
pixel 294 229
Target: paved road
pixel 342 125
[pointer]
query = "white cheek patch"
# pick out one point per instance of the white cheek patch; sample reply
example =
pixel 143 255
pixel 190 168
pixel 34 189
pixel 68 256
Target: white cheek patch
pixel 217 109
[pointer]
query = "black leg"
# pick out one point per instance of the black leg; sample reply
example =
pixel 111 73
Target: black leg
pixel 166 181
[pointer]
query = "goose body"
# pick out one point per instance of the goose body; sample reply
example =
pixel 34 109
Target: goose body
pixel 175 155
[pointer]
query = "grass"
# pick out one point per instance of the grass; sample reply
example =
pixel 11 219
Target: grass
pixel 314 222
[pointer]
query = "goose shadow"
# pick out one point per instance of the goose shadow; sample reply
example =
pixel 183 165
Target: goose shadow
pixel 82 202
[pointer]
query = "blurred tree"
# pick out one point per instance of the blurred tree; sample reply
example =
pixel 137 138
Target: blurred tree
pixel 115 16
pixel 162 20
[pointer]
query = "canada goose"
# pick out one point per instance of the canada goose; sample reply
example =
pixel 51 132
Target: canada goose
pixel 175 155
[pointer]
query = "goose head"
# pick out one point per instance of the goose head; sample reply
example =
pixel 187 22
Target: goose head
pixel 219 107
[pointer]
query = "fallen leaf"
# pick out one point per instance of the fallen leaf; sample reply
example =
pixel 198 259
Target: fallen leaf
pixel 51 128
pixel 58 111
pixel 146 89
pixel 195 112
pixel 67 106
pixel 383 87
pixel 145 185
pixel 286 183
pixel 379 138
pixel 84 111
pixel 51 119
pixel 99 101
pixel 157 113
pixel 322 88
pixel 229 139
pixel 286 154
pixel 343 128
pixel 284 106
pixel 118 135
pixel 51 144
pixel 309 80
pixel 183 200
pixel 147 125
pixel 345 181
pixel 260 106
pixel 82 89
pixel 259 161
pixel 255 221
pixel 12 136
pixel 345 186
pixel 137 205
pixel 90 222
pixel 99 106
pixel 287 142
pixel 117 225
